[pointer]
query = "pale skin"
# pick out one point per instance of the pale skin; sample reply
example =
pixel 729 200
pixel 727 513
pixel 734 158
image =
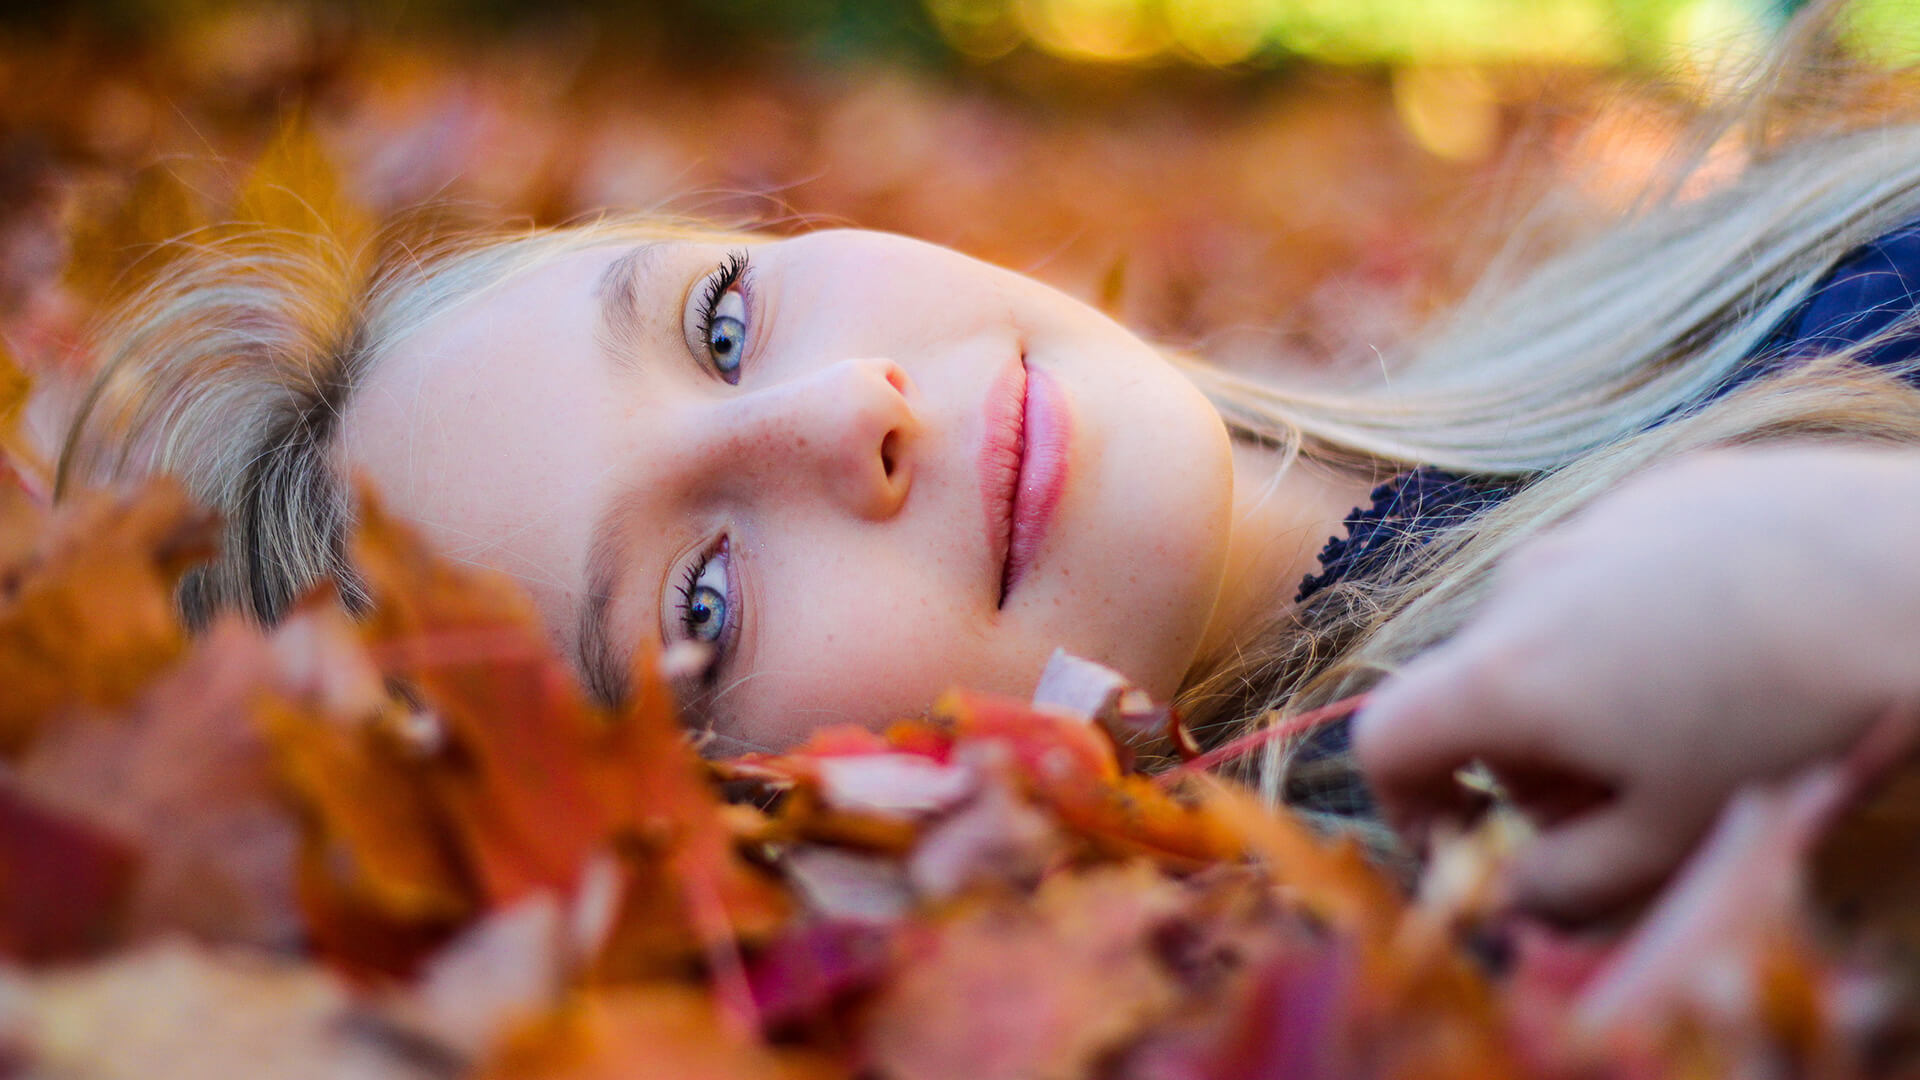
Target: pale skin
pixel 813 466
pixel 1729 618
pixel 802 484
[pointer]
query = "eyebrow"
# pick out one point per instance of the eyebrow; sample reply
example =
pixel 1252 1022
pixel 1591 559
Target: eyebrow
pixel 622 330
pixel 607 676
pixel 622 336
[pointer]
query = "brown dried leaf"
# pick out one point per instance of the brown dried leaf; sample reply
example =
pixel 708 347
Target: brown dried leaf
pixel 1864 873
pixel 1330 878
pixel 23 520
pixel 95 619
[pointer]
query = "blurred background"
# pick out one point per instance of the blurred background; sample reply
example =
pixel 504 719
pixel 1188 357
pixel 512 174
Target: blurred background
pixel 1260 178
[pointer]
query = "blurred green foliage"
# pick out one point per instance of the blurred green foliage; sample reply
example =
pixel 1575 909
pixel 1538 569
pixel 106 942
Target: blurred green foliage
pixel 1256 32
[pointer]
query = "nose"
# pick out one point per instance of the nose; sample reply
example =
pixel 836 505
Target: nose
pixel 847 429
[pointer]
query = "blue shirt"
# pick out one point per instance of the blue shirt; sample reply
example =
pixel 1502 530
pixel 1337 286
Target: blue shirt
pixel 1866 293
pixel 1863 296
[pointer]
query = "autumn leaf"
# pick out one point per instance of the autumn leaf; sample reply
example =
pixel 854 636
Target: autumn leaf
pixel 1035 992
pixel 131 234
pixel 1045 745
pixel 23 523
pixel 17 453
pixel 174 1009
pixel 93 619
pixel 183 775
pixel 503 781
pixel 64 884
pixel 379 881
pixel 1330 877
pixel 294 191
pixel 651 1029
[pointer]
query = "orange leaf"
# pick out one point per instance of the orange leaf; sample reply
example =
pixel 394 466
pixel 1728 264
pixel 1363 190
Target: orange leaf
pixel 374 826
pixel 526 781
pixel 16 452
pixel 1331 878
pixel 1046 746
pixel 654 1030
pixel 118 246
pixel 95 619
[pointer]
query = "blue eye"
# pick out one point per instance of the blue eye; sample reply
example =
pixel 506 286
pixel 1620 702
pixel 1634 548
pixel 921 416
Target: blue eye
pixel 704 603
pixel 721 319
pixel 727 335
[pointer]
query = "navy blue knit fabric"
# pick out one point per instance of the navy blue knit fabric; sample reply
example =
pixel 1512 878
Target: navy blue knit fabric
pixel 1864 296
pixel 1866 293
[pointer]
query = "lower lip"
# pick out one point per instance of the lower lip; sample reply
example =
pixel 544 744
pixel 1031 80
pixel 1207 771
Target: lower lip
pixel 1043 474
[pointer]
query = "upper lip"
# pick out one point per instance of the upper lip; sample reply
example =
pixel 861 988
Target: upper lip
pixel 1002 456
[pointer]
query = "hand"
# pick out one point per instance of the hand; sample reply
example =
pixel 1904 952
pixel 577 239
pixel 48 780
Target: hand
pixel 1726 618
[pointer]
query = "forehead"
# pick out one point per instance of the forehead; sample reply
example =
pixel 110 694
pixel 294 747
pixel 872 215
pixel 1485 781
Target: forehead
pixel 489 427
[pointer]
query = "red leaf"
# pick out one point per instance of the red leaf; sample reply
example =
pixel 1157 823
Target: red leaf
pixel 66 884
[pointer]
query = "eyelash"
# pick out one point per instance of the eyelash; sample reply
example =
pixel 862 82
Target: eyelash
pixel 688 585
pixel 735 271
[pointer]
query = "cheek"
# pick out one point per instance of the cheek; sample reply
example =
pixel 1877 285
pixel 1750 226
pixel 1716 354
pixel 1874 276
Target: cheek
pixel 848 642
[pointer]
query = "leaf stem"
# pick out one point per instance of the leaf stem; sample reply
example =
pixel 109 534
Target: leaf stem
pixel 1254 740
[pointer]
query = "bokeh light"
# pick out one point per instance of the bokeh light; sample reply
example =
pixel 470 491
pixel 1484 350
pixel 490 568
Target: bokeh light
pixel 1697 35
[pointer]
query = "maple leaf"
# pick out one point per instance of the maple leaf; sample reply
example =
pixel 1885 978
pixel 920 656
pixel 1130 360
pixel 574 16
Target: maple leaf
pixel 93 618
pixel 505 781
pixel 379 882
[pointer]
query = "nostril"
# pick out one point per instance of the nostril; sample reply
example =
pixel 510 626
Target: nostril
pixel 888 446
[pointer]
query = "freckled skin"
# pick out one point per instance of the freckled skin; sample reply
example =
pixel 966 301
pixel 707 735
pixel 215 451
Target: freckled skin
pixel 503 430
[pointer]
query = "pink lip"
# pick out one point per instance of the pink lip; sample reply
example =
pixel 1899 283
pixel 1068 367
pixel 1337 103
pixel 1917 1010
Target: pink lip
pixel 1023 468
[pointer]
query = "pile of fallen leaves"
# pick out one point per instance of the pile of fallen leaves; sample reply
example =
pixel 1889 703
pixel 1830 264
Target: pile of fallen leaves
pixel 408 846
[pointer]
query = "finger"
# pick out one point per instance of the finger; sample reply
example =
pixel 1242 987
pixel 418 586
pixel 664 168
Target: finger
pixel 1452 707
pixel 1597 864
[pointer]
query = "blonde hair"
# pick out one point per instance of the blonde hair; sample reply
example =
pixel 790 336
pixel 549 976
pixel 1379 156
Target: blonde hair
pixel 230 371
pixel 1565 377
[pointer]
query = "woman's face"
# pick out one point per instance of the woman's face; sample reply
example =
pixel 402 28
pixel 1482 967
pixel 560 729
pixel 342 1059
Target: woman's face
pixel 860 469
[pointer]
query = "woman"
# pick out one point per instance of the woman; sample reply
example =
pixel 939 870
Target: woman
pixel 847 470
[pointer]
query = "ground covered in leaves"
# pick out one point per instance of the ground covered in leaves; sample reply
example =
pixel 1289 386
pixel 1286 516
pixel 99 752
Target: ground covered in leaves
pixel 407 846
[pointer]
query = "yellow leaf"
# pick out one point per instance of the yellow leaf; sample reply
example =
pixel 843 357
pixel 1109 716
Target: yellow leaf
pixel 295 192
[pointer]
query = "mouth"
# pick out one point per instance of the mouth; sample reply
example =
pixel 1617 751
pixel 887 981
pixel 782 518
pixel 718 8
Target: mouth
pixel 1023 469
